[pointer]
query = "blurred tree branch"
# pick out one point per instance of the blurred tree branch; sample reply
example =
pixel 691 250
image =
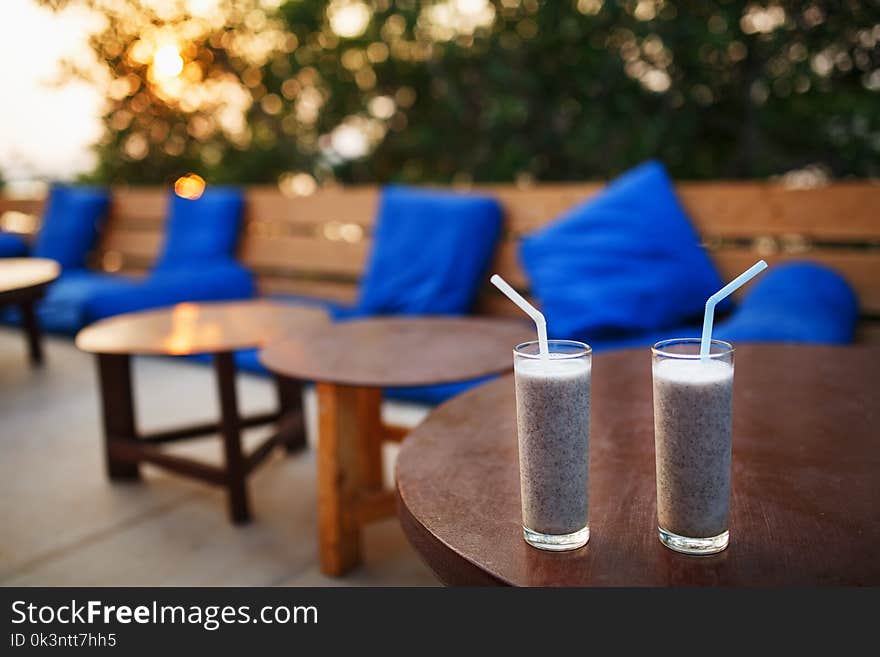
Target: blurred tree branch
pixel 484 90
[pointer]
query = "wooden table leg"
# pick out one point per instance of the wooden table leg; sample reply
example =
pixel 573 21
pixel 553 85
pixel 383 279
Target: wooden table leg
pixel 293 419
pixel 117 406
pixel 347 416
pixel 236 470
pixel 32 331
pixel 371 435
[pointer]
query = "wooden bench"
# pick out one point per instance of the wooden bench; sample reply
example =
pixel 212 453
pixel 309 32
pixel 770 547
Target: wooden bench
pixel 318 244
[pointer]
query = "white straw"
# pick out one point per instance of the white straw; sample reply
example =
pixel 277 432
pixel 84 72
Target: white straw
pixel 715 299
pixel 528 309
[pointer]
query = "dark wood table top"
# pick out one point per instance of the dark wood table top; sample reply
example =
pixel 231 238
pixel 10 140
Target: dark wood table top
pixel 805 507
pixel 196 328
pixel 22 273
pixel 399 351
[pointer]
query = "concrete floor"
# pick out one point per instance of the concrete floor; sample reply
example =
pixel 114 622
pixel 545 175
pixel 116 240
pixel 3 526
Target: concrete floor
pixel 63 523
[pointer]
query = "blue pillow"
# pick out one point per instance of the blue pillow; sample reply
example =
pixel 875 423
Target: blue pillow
pixel 626 260
pixel 431 250
pixel 203 229
pixel 71 221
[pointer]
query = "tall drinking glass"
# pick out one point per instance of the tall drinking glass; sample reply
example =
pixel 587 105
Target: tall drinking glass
pixel 553 424
pixel 693 418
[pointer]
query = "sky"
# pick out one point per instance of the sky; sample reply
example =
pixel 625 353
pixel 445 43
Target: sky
pixel 45 130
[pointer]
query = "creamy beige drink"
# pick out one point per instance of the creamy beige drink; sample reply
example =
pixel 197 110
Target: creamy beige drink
pixel 553 425
pixel 693 419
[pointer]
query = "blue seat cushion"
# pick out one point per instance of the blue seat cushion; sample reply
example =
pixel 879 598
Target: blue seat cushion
pixel 203 229
pixel 70 225
pixel 63 309
pixel 626 260
pixel 214 281
pixel 12 245
pixel 431 250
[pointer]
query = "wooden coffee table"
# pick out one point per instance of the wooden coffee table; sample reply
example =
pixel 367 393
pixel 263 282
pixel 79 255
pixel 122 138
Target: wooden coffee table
pixel 218 329
pixel 805 507
pixel 23 282
pixel 351 363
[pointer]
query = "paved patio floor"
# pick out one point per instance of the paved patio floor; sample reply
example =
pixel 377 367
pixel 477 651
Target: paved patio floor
pixel 63 523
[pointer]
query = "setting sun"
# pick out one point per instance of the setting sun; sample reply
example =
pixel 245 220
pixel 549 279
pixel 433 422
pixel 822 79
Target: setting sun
pixel 167 62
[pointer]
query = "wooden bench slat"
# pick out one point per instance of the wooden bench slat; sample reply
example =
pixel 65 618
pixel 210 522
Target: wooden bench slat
pixel 25 205
pixel 141 205
pixel 350 205
pixel 528 209
pixel 305 254
pixel 868 332
pixel 736 210
pixel 843 212
pixel 506 263
pixel 340 292
pixel 491 302
pixel 140 246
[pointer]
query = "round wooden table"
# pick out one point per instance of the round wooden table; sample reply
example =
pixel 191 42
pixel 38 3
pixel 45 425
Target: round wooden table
pixel 351 363
pixel 23 282
pixel 805 507
pixel 186 329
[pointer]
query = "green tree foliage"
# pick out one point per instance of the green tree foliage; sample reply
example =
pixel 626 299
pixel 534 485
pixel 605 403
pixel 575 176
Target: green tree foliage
pixel 496 90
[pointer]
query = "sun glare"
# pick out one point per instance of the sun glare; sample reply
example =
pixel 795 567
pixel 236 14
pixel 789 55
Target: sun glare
pixel 167 62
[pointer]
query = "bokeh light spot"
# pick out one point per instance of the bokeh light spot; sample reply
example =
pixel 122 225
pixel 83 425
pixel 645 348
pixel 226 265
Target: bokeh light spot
pixel 167 62
pixel 348 18
pixel 191 186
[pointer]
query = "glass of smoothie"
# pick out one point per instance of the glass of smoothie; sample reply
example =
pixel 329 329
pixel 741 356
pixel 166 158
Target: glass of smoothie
pixel 693 418
pixel 553 426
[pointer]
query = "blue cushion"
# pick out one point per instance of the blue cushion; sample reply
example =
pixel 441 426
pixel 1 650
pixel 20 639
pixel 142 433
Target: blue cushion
pixel 217 281
pixel 626 260
pixel 247 360
pixel 70 225
pixel 202 229
pixel 800 302
pixel 63 308
pixel 431 250
pixel 12 245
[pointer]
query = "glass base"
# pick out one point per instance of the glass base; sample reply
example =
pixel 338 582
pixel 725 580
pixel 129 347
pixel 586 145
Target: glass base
pixel 557 542
pixel 686 545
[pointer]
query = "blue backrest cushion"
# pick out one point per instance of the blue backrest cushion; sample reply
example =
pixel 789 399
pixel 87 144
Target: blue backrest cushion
pixel 71 222
pixel 625 260
pixel 203 229
pixel 431 250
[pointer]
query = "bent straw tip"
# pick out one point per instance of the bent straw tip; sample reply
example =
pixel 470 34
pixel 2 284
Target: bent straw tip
pixel 527 308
